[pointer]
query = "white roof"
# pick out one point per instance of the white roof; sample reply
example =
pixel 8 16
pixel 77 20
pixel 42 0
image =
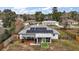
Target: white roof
pixel 25 29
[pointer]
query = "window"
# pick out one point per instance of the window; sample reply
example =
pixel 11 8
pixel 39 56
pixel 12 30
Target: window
pixel 53 34
pixel 47 39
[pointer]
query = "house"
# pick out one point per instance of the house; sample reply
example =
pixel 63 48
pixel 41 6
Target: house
pixel 50 22
pixel 69 21
pixel 31 22
pixel 37 34
pixel 46 17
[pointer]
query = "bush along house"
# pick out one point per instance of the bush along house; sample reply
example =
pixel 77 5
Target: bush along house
pixel 36 34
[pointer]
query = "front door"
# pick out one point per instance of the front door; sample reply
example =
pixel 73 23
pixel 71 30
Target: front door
pixel 41 40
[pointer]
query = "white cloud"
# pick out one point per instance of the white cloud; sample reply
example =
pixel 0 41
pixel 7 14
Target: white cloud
pixel 19 10
pixel 47 8
pixel 23 10
pixel 71 9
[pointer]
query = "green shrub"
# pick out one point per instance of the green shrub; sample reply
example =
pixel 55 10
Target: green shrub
pixel 44 45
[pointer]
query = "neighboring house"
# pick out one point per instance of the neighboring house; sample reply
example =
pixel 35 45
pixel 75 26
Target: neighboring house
pixel 48 17
pixel 1 23
pixel 50 22
pixel 38 33
pixel 25 24
pixel 31 22
pixel 31 17
pixel 69 21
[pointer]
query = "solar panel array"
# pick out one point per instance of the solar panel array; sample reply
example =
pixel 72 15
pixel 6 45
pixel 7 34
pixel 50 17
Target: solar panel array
pixel 39 30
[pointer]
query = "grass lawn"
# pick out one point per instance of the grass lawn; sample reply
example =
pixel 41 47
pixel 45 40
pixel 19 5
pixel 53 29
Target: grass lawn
pixel 66 45
pixel 62 32
pixel 76 25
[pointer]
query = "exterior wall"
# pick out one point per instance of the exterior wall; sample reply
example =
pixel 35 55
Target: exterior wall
pixel 20 36
pixel 50 23
pixel 55 36
pixel 43 35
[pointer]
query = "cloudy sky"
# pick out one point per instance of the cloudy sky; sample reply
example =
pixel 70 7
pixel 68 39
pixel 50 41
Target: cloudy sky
pixel 32 10
pixel 31 6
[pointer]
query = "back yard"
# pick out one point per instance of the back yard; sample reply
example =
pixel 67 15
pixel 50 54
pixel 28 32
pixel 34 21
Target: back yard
pixel 66 42
pixel 56 45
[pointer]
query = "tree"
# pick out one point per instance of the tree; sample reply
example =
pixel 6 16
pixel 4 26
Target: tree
pixel 9 18
pixel 54 10
pixel 25 17
pixel 39 16
pixel 66 25
pixel 73 15
pixel 56 15
pixel 64 12
pixel 0 11
pixel 7 10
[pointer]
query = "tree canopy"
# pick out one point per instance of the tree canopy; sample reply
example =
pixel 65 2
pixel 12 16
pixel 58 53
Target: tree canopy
pixel 39 16
pixel 55 14
pixel 9 18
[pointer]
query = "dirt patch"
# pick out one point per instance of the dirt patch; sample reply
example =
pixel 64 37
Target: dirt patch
pixel 58 45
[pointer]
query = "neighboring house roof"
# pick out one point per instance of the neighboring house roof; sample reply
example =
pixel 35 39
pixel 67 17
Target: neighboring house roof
pixel 50 21
pixel 30 21
pixel 69 21
pixel 38 29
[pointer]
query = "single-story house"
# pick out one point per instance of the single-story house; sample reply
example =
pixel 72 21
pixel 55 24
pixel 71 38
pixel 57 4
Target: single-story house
pixel 31 22
pixel 69 21
pixel 50 22
pixel 38 33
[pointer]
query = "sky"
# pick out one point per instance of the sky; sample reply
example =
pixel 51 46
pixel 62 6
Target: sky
pixel 32 10
pixel 31 6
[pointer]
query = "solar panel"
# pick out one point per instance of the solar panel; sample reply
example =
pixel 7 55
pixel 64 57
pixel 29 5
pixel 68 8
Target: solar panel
pixel 33 28
pixel 39 31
